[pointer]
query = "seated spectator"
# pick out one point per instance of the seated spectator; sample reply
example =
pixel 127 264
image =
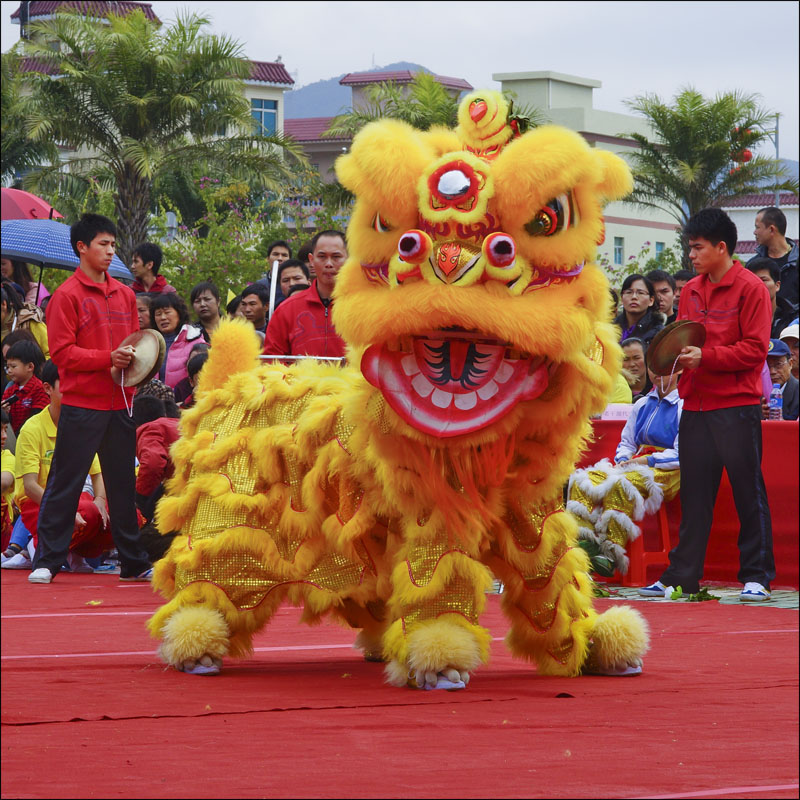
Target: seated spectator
pixel 145 265
pixel 18 271
pixel 682 277
pixel 608 499
pixel 234 308
pixel 35 446
pixel 640 317
pixel 784 311
pixel 791 335
pixel 304 255
pixel 184 390
pixel 17 315
pixel 171 319
pixel 19 335
pixel 291 273
pixel 204 298
pixel 779 363
pixel 155 434
pixel 157 389
pixel 255 305
pixel 24 396
pixel 144 311
pixel 664 284
pixel 634 368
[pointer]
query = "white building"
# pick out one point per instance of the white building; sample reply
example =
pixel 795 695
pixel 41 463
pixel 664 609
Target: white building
pixel 567 100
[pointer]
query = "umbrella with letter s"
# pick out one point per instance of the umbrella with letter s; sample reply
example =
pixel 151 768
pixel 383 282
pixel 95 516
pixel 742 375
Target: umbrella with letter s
pixel 18 204
pixel 46 242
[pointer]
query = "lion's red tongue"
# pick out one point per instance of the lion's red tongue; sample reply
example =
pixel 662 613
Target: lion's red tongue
pixel 450 387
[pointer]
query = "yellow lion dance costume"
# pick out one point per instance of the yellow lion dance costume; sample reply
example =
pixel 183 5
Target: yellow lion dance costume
pixel 387 493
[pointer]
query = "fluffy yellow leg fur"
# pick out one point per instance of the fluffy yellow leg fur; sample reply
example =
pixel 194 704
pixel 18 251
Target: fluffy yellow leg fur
pixel 620 638
pixel 192 632
pixel 433 646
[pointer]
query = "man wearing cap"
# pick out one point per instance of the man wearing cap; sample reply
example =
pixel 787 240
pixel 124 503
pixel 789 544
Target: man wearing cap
pixel 791 335
pixel 779 362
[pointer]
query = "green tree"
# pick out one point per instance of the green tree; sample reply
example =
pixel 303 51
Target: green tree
pixel 138 103
pixel 701 151
pixel 18 152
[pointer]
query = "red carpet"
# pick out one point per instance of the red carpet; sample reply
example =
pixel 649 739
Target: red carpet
pixel 89 711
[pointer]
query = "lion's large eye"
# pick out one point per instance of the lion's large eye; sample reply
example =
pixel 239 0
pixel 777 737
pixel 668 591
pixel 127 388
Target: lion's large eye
pixel 380 224
pixel 555 216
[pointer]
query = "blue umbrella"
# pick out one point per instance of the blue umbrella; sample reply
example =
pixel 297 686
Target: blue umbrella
pixel 46 242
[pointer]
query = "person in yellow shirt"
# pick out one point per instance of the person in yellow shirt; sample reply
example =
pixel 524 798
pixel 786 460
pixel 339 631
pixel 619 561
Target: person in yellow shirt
pixel 7 469
pixel 34 454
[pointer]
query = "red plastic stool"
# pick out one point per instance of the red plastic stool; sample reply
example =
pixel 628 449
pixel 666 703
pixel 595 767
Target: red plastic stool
pixel 641 559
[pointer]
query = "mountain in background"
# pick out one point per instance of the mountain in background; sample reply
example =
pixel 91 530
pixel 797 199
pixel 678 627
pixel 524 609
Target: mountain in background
pixel 328 98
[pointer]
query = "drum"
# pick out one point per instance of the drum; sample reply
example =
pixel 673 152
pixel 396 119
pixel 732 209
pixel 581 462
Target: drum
pixel 150 350
pixel 668 343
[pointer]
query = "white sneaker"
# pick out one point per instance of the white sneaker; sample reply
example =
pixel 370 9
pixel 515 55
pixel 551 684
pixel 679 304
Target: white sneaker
pixel 19 561
pixel 78 563
pixel 40 575
pixel 754 593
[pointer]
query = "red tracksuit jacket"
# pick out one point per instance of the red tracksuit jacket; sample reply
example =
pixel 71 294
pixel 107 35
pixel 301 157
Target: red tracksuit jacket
pixel 85 322
pixel 737 316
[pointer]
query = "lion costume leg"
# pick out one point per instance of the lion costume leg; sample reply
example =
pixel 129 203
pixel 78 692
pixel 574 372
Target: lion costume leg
pixel 438 594
pixel 548 598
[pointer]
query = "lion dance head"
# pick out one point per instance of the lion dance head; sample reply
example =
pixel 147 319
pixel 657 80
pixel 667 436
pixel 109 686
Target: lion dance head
pixel 469 298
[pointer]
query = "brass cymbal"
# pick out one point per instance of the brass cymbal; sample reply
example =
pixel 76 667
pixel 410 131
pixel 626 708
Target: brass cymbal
pixel 150 351
pixel 668 343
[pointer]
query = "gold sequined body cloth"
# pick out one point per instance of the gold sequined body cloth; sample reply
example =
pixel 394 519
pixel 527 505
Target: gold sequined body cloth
pixel 291 484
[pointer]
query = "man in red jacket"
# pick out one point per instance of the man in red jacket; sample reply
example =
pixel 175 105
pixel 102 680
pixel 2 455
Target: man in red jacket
pixel 88 317
pixel 721 421
pixel 301 324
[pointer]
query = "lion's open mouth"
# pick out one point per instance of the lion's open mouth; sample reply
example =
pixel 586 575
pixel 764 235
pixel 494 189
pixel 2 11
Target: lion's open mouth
pixel 448 383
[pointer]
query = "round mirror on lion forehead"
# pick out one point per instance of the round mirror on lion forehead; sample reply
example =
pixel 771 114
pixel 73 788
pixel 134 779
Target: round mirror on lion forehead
pixel 453 183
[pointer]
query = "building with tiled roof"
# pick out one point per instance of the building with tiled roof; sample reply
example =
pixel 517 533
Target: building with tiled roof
pixel 90 8
pixel 402 77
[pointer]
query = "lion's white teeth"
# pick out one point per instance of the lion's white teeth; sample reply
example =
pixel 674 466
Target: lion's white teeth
pixel 488 390
pixel 465 402
pixel 422 386
pixel 441 399
pixel 504 372
pixel 409 364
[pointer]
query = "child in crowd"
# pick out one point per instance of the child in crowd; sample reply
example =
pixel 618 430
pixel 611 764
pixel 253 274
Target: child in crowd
pixel 193 367
pixel 185 389
pixel 35 447
pixel 24 396
pixel 155 434
pixel 7 470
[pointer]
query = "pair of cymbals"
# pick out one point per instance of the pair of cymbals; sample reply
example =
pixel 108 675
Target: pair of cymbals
pixel 150 350
pixel 668 343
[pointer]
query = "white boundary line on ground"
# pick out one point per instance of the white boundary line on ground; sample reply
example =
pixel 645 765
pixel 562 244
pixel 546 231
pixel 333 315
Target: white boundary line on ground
pixel 728 790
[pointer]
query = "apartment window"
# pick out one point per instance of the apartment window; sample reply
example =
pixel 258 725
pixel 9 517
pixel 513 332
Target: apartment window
pixel 619 250
pixel 659 249
pixel 265 114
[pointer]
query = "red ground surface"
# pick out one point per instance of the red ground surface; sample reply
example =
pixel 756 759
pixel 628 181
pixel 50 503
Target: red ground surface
pixel 89 711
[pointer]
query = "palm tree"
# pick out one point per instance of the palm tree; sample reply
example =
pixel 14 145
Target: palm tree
pixel 139 103
pixel 701 152
pixel 18 153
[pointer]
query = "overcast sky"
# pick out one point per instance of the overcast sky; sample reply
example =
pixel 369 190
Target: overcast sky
pixel 632 48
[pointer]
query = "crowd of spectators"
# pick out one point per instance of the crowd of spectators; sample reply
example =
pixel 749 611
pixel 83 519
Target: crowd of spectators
pixel 290 310
pixel 32 398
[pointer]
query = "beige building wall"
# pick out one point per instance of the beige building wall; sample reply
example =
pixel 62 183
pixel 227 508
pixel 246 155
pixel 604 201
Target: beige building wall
pixel 567 100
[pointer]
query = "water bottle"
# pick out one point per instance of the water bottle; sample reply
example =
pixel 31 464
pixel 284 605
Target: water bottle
pixel 775 403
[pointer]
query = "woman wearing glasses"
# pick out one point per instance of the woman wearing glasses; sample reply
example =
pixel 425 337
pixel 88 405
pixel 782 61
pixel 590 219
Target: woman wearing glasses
pixel 640 317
